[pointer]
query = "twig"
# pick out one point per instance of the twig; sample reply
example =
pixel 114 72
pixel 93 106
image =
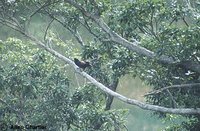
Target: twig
pixel 173 86
pixel 47 29
pixel 86 25
pixel 74 33
pixel 11 108
pixel 47 3
pixel 11 25
pixel 174 105
pixel 185 22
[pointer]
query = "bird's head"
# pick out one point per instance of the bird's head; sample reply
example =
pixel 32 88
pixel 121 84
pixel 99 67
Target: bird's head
pixel 75 60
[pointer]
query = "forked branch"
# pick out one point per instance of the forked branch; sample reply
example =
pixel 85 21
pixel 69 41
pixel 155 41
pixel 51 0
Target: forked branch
pixel 109 91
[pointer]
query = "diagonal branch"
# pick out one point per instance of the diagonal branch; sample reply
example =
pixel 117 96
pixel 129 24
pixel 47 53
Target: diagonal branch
pixel 174 103
pixel 11 25
pixel 132 45
pixel 112 93
pixel 10 107
pixel 106 89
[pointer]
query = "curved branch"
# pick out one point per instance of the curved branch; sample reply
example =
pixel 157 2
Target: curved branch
pixel 132 45
pixel 75 33
pixel 104 88
pixel 45 34
pixel 112 93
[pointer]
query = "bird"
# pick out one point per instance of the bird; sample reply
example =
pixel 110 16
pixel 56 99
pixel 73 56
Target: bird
pixel 82 64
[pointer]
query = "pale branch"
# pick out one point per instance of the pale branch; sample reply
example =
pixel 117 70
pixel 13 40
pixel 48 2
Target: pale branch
pixel 115 37
pixel 78 37
pixel 109 91
pixel 173 86
pixel 104 88
pixel 134 46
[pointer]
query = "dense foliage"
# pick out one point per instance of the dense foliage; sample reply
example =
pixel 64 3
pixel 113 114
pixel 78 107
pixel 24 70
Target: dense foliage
pixel 169 29
pixel 35 91
pixel 166 28
pixel 36 84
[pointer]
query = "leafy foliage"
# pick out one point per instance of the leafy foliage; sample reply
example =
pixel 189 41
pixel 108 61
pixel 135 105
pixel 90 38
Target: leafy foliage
pixel 36 91
pixel 169 28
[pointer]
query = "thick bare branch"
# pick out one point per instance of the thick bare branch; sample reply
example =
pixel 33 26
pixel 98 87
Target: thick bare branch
pixel 112 93
pixel 132 45
pixel 104 88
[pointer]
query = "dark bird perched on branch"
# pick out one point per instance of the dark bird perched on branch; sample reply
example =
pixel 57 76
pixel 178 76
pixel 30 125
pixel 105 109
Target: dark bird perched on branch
pixel 81 64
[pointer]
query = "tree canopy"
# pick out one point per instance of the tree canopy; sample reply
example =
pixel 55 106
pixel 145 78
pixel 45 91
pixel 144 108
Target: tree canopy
pixel 155 40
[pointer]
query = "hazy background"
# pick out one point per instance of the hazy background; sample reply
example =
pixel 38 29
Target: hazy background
pixel 137 119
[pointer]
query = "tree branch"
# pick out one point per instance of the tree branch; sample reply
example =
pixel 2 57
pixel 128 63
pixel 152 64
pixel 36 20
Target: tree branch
pixel 174 103
pixel 173 86
pixel 11 25
pixel 113 87
pixel 45 34
pixel 134 46
pixel 112 93
pixel 10 107
pixel 74 33
pixel 106 89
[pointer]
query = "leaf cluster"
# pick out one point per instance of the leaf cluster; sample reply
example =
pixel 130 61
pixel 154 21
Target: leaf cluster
pixel 36 90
